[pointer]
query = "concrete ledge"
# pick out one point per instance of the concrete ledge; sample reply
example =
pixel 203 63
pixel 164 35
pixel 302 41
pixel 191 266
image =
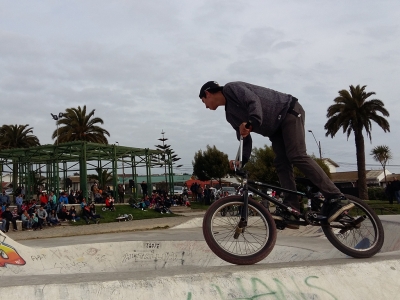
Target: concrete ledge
pixel 361 279
pixel 19 224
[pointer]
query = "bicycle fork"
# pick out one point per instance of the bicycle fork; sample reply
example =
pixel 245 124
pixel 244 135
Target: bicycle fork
pixel 241 226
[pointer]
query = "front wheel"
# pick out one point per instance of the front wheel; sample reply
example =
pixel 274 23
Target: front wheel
pixel 252 245
pixel 104 208
pixel 359 233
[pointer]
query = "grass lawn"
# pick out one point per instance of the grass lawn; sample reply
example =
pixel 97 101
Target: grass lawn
pixel 198 205
pixel 384 207
pixel 110 216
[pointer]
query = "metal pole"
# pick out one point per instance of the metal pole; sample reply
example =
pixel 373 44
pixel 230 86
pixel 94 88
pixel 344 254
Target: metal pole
pixel 318 144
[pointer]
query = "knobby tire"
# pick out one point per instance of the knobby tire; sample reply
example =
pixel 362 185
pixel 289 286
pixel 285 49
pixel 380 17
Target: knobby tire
pixel 362 242
pixel 218 231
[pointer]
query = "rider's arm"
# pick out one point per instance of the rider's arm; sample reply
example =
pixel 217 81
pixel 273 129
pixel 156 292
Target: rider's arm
pixel 247 146
pixel 246 98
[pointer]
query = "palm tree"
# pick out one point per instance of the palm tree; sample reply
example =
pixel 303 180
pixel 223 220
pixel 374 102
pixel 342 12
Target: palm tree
pixel 17 136
pixel 382 154
pixel 353 113
pixel 76 125
pixel 103 176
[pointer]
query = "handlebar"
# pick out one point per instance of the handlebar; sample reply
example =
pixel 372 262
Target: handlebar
pixel 239 155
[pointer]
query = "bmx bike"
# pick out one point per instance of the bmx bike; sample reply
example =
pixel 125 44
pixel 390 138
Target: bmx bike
pixel 242 231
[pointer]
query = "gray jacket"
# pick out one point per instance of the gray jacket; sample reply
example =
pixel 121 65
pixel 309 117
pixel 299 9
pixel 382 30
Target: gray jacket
pixel 265 108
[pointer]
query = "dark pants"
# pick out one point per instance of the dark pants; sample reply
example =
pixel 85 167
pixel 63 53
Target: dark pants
pixel 289 146
pixel 121 197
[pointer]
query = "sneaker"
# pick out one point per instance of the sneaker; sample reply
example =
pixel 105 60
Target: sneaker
pixel 279 215
pixel 335 207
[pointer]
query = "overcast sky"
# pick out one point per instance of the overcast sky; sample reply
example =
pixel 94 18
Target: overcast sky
pixel 141 64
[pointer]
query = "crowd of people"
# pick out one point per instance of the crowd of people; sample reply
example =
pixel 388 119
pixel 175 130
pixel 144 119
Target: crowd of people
pixel 46 210
pixel 161 202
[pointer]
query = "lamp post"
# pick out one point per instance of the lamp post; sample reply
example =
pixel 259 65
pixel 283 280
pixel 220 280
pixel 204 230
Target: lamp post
pixel 318 144
pixel 56 118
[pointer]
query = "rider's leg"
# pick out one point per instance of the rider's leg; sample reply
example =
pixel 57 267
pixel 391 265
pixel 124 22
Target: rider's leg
pixel 293 135
pixel 284 169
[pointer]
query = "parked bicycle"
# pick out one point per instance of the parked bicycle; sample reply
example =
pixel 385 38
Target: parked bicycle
pixel 249 236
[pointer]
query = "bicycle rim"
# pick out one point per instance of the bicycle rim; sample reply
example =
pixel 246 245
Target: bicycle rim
pixel 252 245
pixel 362 241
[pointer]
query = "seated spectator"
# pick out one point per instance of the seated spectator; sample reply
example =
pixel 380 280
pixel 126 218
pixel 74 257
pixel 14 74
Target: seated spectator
pixel 35 221
pixel 83 203
pixel 26 220
pixel 42 216
pixel 3 222
pixel 18 201
pixel 73 214
pixel 167 202
pixel 24 206
pixel 7 218
pixel 63 215
pixel 160 207
pixel 53 218
pixel 109 203
pixel 63 200
pixel 93 212
pixel 186 201
pixel 180 200
pixel 32 207
pixel 87 215
pixel 15 217
pixel 43 199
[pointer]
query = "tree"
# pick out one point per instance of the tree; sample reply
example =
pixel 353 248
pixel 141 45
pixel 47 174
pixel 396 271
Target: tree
pixel 103 176
pixel 210 164
pixel 354 113
pixel 261 166
pixel 76 125
pixel 17 136
pixel 383 155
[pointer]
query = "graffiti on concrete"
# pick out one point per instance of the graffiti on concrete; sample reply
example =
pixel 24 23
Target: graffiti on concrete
pixel 150 256
pixel 9 255
pixel 256 288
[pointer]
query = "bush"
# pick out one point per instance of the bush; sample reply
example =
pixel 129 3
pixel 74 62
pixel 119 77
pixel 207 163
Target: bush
pixel 376 193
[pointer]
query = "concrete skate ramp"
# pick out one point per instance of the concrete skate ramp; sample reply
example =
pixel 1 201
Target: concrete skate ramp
pixel 189 270
pixel 306 244
pixel 375 278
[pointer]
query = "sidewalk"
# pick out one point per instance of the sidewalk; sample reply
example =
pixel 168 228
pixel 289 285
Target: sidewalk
pixel 115 227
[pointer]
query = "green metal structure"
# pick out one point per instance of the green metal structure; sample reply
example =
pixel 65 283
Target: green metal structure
pixel 55 162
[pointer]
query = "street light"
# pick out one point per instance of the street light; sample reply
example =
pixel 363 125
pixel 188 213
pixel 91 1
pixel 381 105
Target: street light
pixel 318 144
pixel 56 118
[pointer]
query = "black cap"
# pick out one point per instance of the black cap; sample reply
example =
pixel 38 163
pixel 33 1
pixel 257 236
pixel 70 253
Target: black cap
pixel 210 86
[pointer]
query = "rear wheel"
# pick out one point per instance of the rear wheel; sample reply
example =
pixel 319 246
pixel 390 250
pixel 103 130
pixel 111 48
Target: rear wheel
pixel 252 245
pixel 359 233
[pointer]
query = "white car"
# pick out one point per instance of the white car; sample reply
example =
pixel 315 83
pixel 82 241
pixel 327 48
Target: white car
pixel 178 190
pixel 230 189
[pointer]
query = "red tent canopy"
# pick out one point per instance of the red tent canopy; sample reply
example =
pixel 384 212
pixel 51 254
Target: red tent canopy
pixel 202 183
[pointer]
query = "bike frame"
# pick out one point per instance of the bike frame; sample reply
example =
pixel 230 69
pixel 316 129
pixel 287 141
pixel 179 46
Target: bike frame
pixel 247 186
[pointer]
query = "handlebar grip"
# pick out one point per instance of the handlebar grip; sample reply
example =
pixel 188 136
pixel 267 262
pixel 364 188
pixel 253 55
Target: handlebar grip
pixel 248 124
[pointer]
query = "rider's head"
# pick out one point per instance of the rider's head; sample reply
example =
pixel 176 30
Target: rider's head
pixel 211 94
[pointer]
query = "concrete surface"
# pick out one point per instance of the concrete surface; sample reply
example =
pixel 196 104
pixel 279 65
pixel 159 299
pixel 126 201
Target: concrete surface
pixel 303 265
